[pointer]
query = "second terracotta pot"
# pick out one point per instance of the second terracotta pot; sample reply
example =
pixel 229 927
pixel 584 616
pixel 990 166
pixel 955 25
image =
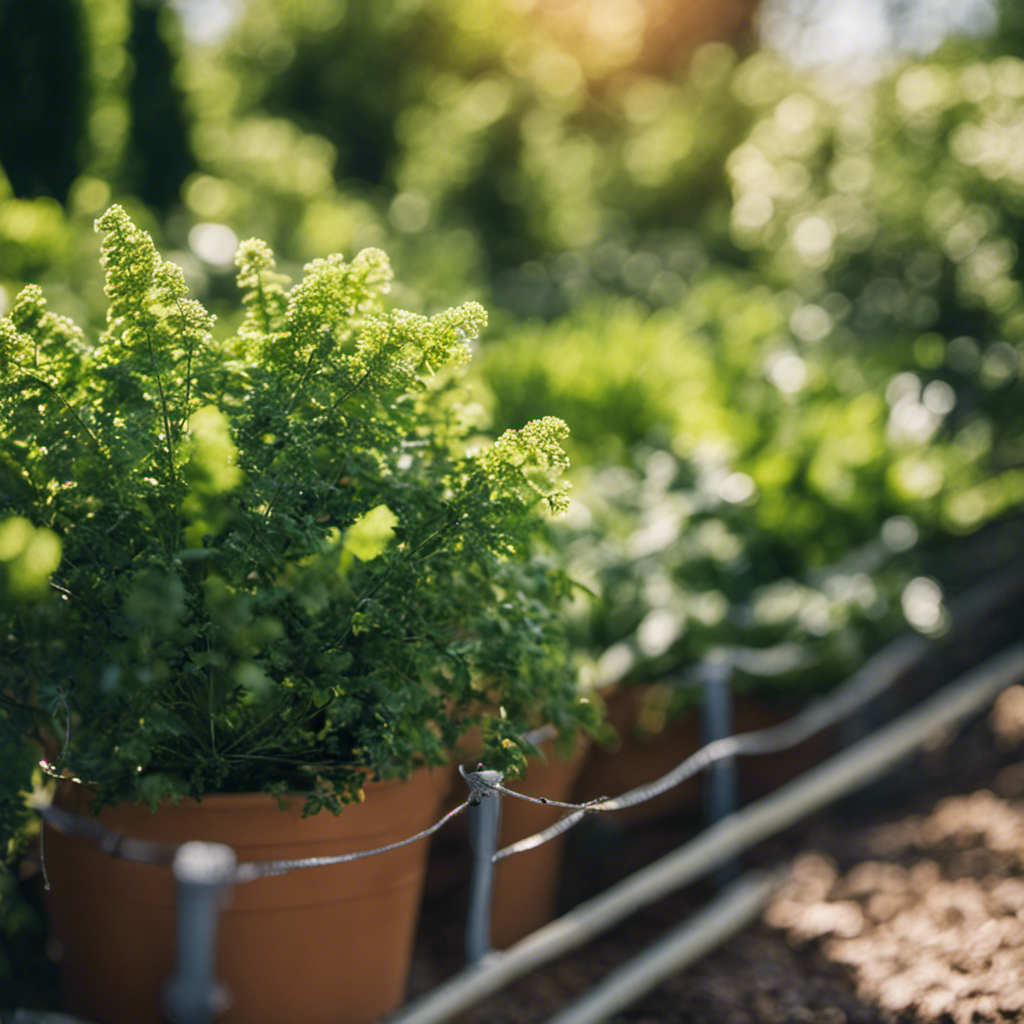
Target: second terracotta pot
pixel 526 884
pixel 639 759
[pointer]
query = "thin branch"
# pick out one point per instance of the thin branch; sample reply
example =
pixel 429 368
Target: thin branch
pixel 439 532
pixel 341 400
pixel 302 381
pixel 163 403
pixel 68 406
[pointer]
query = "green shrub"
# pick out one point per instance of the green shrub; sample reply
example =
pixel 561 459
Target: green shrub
pixel 739 487
pixel 281 564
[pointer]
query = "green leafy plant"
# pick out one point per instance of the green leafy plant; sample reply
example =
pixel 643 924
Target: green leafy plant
pixel 283 565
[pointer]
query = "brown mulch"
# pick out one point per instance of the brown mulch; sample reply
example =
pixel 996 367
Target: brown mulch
pixel 904 905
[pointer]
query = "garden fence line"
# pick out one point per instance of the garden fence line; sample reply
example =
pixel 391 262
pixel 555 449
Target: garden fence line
pixel 865 761
pixel 879 673
pixel 203 871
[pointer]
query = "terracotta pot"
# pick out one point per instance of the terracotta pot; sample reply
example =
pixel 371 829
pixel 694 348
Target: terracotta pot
pixel 640 759
pixel 325 945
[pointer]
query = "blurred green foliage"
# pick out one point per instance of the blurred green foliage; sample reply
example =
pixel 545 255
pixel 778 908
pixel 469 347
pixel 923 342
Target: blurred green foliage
pixel 739 486
pixel 823 277
pixel 525 130
pixel 142 139
pixel 897 216
pixel 828 388
pixel 82 82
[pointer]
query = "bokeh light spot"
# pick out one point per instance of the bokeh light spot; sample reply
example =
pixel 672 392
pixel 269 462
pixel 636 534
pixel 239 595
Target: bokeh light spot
pixel 899 533
pixel 813 238
pixel 410 212
pixel 787 371
pixel 810 323
pixel 923 606
pixel 215 244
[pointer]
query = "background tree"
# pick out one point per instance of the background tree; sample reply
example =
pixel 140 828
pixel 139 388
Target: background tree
pixel 43 82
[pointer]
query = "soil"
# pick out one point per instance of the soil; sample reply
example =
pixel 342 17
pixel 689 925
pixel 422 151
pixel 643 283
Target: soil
pixel 903 905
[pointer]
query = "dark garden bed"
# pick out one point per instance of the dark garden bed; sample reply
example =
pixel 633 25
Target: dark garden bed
pixel 904 903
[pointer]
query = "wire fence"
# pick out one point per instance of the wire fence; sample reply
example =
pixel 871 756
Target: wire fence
pixel 877 675
pixel 869 759
pixel 203 870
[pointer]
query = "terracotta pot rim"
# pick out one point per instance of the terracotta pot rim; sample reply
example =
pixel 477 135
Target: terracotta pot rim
pixel 249 799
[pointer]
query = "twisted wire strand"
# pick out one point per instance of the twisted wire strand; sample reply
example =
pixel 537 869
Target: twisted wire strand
pixel 872 679
pixel 548 802
pixel 142 851
pixel 251 870
pixel 482 783
pixel 109 841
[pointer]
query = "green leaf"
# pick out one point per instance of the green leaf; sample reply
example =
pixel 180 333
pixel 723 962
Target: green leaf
pixel 371 533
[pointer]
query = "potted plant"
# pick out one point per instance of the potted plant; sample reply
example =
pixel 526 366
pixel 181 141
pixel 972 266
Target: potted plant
pixel 284 572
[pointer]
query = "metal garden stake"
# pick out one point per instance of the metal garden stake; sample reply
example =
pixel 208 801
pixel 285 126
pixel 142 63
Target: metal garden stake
pixel 202 871
pixel 484 823
pixel 717 723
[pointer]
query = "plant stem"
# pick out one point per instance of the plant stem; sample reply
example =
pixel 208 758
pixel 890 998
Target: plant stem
pixel 209 698
pixel 70 408
pixel 302 382
pixel 188 365
pixel 163 405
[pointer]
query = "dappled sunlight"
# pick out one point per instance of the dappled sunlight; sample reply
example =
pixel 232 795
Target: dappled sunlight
pixel 609 36
pixel 931 920
pixel 762 315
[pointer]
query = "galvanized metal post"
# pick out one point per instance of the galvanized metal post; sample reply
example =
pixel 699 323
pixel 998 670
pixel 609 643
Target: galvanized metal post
pixel 716 724
pixel 720 797
pixel 202 872
pixel 484 825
